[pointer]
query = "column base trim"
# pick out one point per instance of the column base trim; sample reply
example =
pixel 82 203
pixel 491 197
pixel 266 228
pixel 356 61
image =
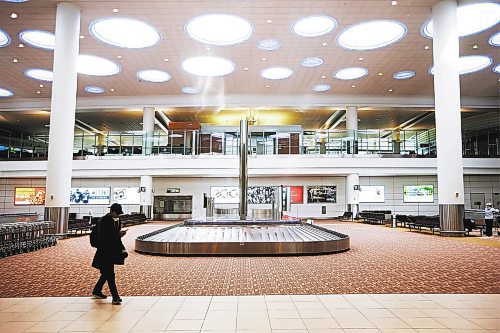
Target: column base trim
pixel 60 216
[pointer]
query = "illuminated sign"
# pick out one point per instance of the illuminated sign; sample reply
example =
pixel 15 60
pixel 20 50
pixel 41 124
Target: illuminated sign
pixel 418 193
pixel 89 196
pixel 29 196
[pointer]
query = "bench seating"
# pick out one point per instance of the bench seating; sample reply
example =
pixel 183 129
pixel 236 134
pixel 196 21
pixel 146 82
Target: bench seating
pixel 346 216
pixel 372 218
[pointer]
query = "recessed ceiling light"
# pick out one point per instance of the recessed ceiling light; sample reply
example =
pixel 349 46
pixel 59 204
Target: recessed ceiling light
pixel 394 2
pixel 219 29
pixel 403 75
pixel 322 87
pixel 264 59
pixel 351 73
pixel 269 21
pixel 153 75
pixel 470 64
pixel 21 45
pixel 82 37
pixel 115 10
pixel 276 73
pixel 208 66
pixel 15 0
pixel 119 57
pixel 361 59
pixel 323 76
pixel 190 90
pixel 496 69
pixel 112 90
pixel 13 16
pixel 15 60
pixel 38 92
pixel 494 40
pixel 39 38
pixel 389 90
pixel 5 93
pixel 312 62
pixel 4 38
pixel 324 44
pixel 353 86
pixel 268 44
pixel 371 35
pixel 313 26
pixel 268 86
pixel 41 86
pixel 474 46
pixel 92 65
pixel 380 74
pixel 471 19
pixel 124 32
pixel 246 68
pixel 94 89
pixel 426 47
pixel 39 74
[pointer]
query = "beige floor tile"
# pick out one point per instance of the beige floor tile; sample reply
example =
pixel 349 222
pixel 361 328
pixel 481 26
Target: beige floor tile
pixel 83 326
pixel 454 304
pixel 22 308
pixel 351 318
pixel 251 299
pixel 193 314
pixel 96 315
pixel 183 331
pixel 440 313
pixel 261 330
pixel 423 323
pixel 320 323
pixel 174 306
pixel 180 325
pixel 253 324
pixel 289 331
pixel 278 298
pixel 325 330
pixel 117 326
pixel 489 324
pixel 35 300
pixel 377 313
pixel 395 304
pixel 340 304
pixel 63 315
pixel 130 315
pixel 477 313
pixel 49 326
pixel 280 305
pixel 367 304
pixel 361 330
pixel 173 299
pixel 473 331
pixel 425 305
pixel 9 316
pixel 159 324
pixel 388 323
pixel 225 299
pixel 458 323
pixel 430 330
pixel 220 315
pixel 219 324
pixel 331 298
pixel 252 306
pixel 409 313
pixel 397 330
pixel 198 299
pixel 34 315
pixel 314 313
pixel 309 305
pixel 194 306
pixel 250 314
pixel 284 314
pixel 305 298
pixel 223 306
pixel 16 326
pixel 79 307
pixel 358 297
pixel 287 324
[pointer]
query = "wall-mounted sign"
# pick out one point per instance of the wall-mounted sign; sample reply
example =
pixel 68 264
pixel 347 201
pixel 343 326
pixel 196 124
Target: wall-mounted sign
pixel 225 194
pixel 368 193
pixel 418 193
pixel 261 194
pixel 173 190
pixel 89 196
pixel 29 196
pixel 126 195
pixel 321 193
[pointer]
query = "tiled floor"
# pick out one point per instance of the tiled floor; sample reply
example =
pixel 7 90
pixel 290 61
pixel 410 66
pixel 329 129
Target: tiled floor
pixel 355 313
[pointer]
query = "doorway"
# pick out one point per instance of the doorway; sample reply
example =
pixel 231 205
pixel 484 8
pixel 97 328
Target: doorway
pixel 477 200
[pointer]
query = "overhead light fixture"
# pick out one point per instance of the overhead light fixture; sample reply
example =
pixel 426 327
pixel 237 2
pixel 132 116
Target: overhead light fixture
pixel 38 92
pixel 264 59
pixel 361 59
pixel 5 93
pixel 153 75
pixel 312 62
pixel 166 60
pixel 471 19
pixel 268 86
pixel 15 60
pixel 380 74
pixel 4 38
pixel 269 44
pixel 495 39
pixel 15 0
pixel 94 89
pixel 426 47
pixel 39 38
pixel 475 46
pixel 246 68
pixel 41 85
pixel 92 65
pixel 394 2
pixel 112 90
pixel 219 29
pixel 39 74
pixel 124 32
pixel 314 26
pixel 276 73
pixel 21 45
pixel 323 76
pixel 82 37
pixel 389 90
pixel 322 87
pixel 470 64
pixel 372 35
pixel 351 73
pixel 403 75
pixel 496 69
pixel 269 21
pixel 353 86
pixel 190 90
pixel 119 57
pixel 208 66
pixel 115 10
pixel 324 44
pixel 13 15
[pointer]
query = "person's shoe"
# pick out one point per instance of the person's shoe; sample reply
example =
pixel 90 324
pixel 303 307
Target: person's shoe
pixel 99 295
pixel 116 301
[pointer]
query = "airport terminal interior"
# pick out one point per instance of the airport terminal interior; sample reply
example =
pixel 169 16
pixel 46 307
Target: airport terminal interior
pixel 283 166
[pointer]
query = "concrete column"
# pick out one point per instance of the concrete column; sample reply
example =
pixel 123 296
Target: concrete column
pixel 352 195
pixel 448 121
pixel 243 181
pixel 396 141
pixel 351 125
pixel 62 116
pixel 147 195
pixel 101 140
pixel 194 143
pixel 148 127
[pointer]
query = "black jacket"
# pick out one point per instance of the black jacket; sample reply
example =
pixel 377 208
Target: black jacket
pixel 109 251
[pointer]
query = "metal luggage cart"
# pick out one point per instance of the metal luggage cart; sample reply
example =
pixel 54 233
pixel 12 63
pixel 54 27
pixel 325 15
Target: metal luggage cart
pixel 23 237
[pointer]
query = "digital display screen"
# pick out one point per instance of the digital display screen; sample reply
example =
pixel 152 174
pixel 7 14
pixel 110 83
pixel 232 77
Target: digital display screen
pixel 29 196
pixel 321 194
pixel 418 193
pixel 370 193
pixel 89 196
pixel 261 194
pixel 225 194
pixel 126 195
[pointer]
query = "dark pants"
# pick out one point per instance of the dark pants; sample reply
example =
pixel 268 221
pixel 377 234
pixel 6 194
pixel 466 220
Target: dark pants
pixel 489 227
pixel 107 274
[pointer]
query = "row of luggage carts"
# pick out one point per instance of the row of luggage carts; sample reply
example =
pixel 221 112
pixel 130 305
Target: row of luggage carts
pixel 21 237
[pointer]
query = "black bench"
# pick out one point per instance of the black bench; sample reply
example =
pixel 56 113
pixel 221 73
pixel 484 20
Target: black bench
pixel 346 216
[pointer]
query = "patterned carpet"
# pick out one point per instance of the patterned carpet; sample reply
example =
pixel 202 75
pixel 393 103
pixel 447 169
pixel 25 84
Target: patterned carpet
pixel 381 260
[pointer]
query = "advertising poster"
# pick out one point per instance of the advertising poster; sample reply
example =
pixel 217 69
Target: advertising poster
pixel 29 196
pixel 126 195
pixel 321 194
pixel 261 194
pixel 225 194
pixel 89 196
pixel 418 193
pixel 296 194
pixel 371 193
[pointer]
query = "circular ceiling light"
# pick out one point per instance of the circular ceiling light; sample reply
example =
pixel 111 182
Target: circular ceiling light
pixel 153 75
pixel 471 19
pixel 495 39
pixel 39 74
pixel 94 89
pixel 5 93
pixel 470 64
pixel 4 38
pixel 208 66
pixel 124 32
pixel 15 0
pixel 496 69
pixel 219 29
pixel 276 73
pixel 39 38
pixel 268 44
pixel 313 26
pixel 403 75
pixel 312 62
pixel 92 65
pixel 322 87
pixel 351 73
pixel 190 90
pixel 371 35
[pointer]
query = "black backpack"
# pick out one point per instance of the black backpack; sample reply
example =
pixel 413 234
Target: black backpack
pixel 94 235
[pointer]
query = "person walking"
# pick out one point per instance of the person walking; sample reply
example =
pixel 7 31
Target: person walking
pixel 110 252
pixel 488 218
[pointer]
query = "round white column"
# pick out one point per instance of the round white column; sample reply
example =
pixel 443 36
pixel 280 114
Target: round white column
pixel 352 195
pixel 351 125
pixel 146 197
pixel 62 115
pixel 448 120
pixel 148 126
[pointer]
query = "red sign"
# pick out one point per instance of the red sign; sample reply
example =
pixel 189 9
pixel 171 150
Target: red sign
pixel 296 194
pixel 28 196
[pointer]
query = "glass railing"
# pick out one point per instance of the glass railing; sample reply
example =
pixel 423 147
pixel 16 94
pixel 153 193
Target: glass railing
pixel 402 143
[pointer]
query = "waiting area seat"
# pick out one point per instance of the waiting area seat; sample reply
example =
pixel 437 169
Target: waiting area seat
pixel 346 216
pixel 422 221
pixel 132 219
pixel 375 216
